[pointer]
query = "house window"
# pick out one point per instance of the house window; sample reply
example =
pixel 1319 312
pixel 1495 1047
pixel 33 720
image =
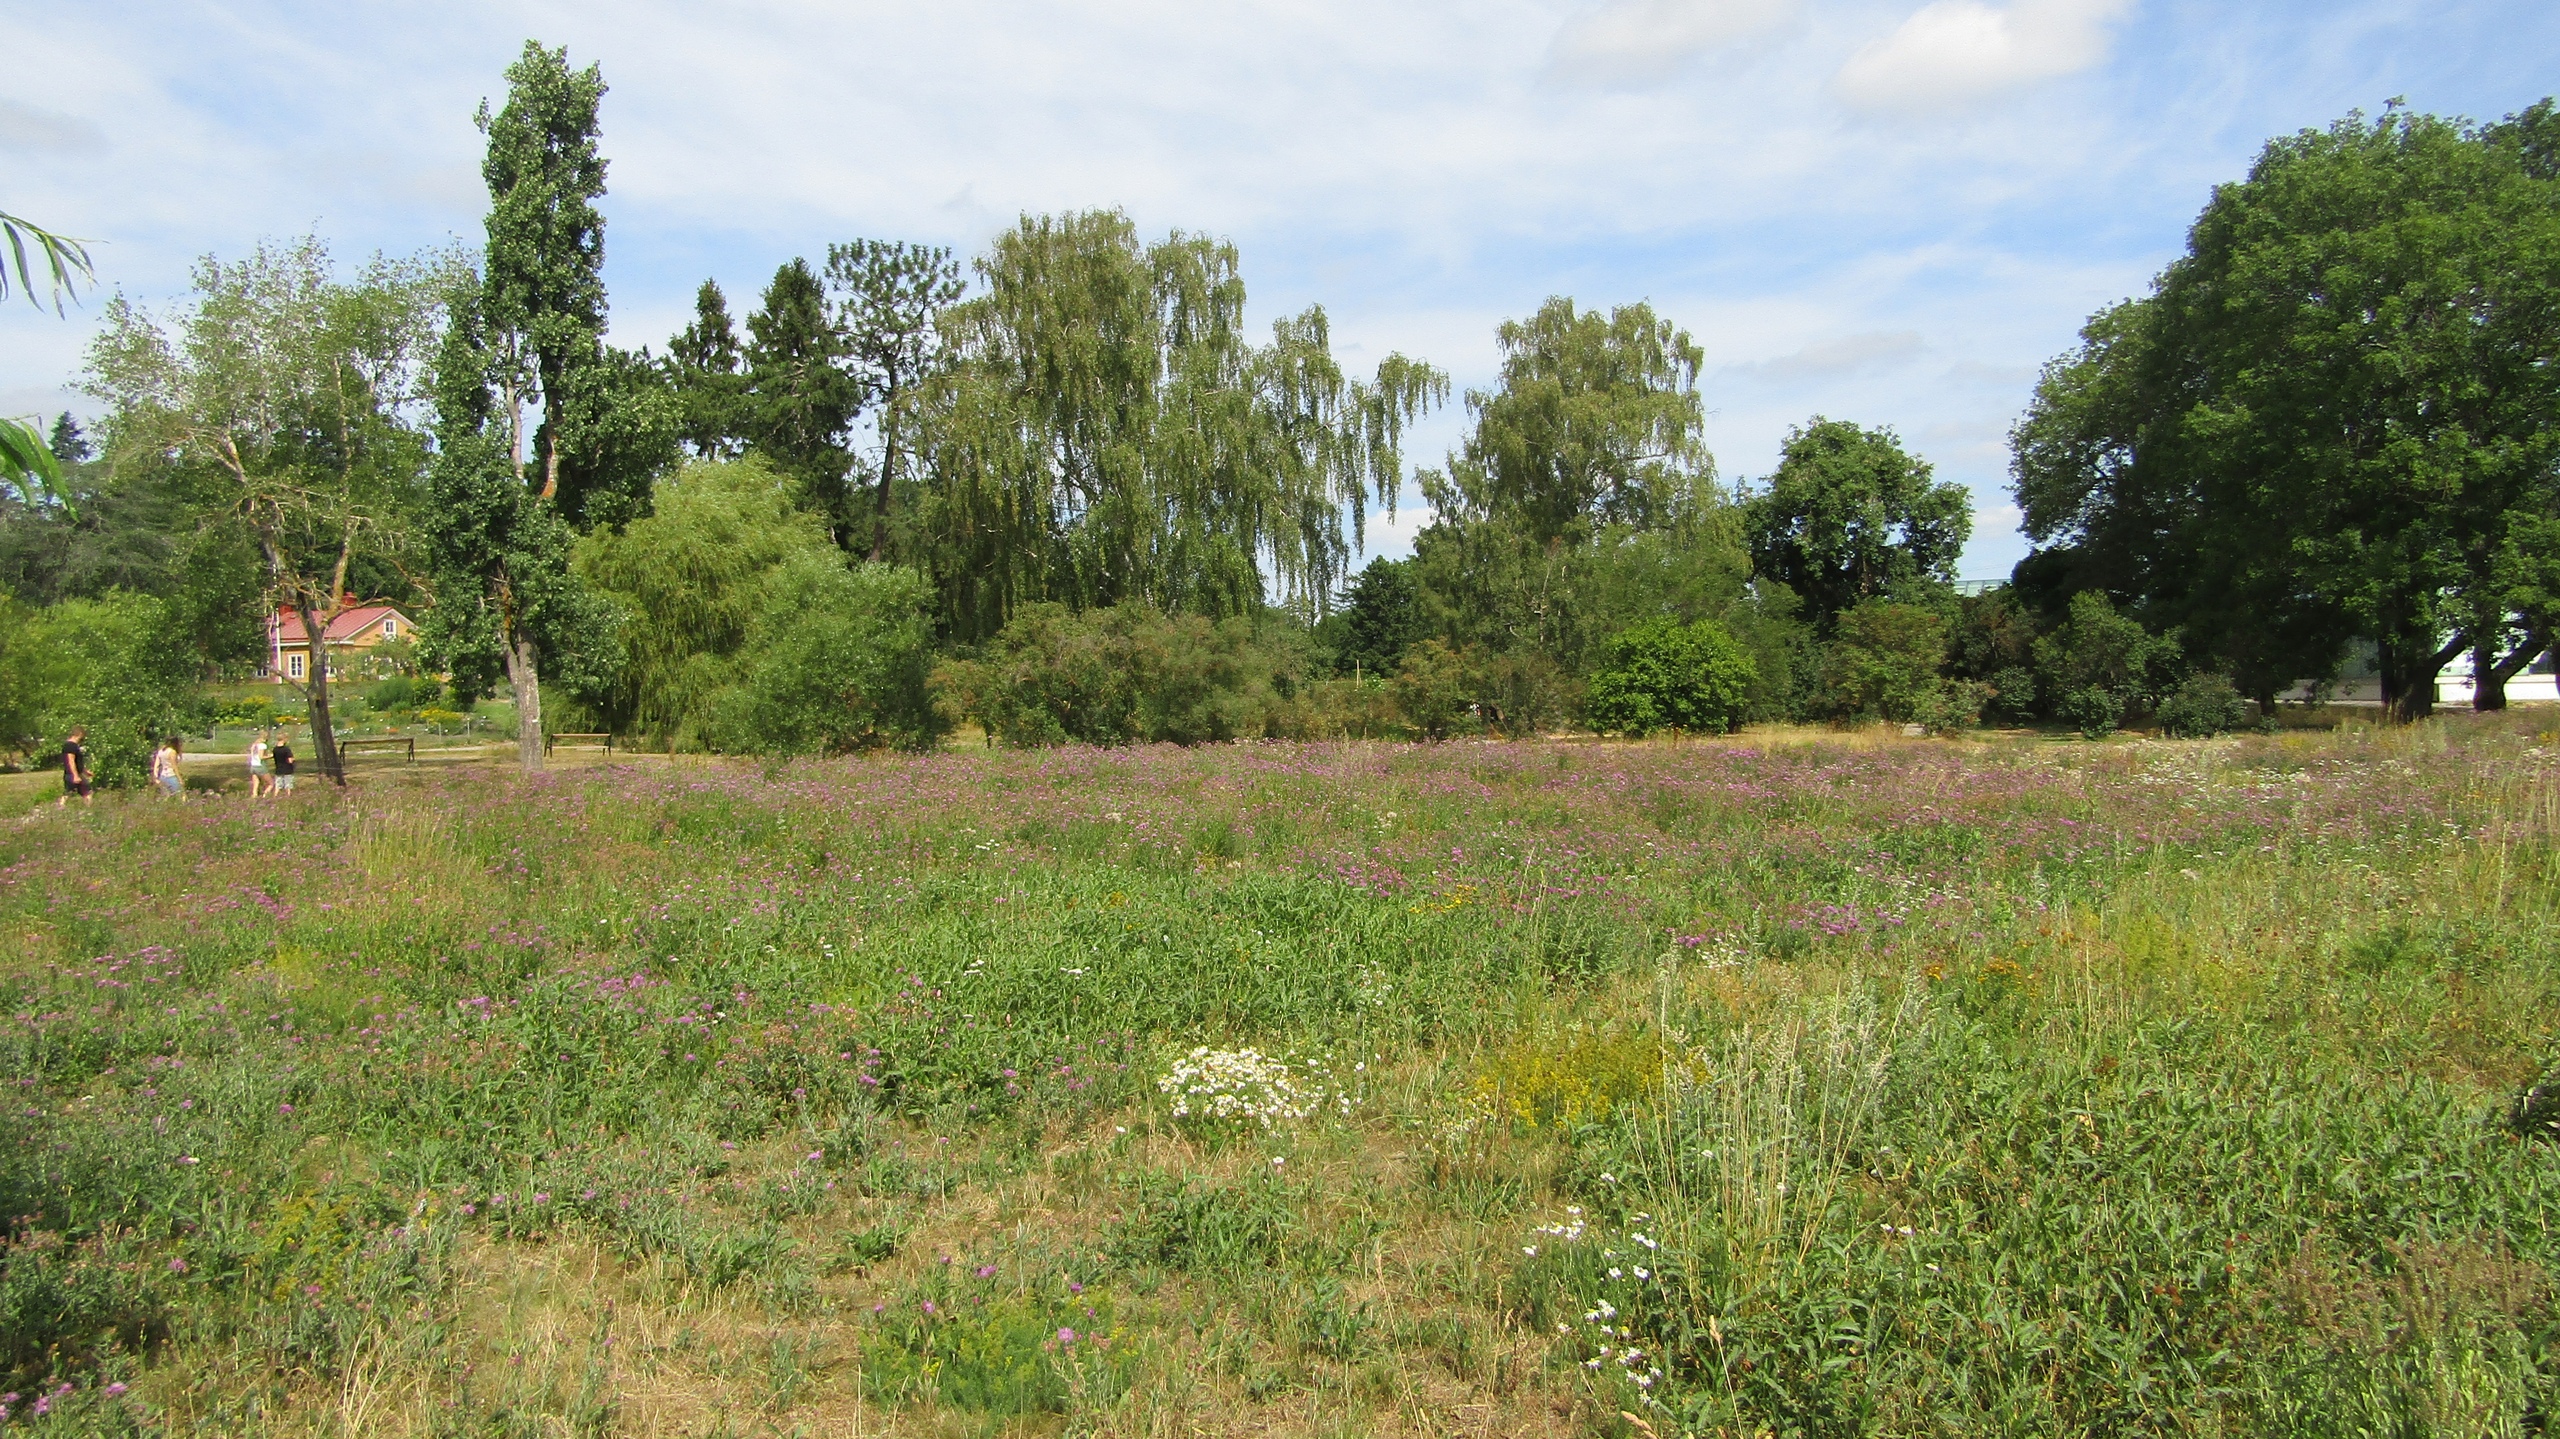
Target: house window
pixel 391 629
pixel 293 666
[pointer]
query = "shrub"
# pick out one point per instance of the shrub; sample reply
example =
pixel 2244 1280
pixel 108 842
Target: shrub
pixel 1660 675
pixel 2094 710
pixel 1431 689
pixel 2097 652
pixel 1883 663
pixel 112 664
pixel 2206 704
pixel 836 660
pixel 1118 675
pixel 399 692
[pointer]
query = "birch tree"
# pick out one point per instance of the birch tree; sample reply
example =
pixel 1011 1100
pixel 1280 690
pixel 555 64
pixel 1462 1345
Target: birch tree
pixel 287 399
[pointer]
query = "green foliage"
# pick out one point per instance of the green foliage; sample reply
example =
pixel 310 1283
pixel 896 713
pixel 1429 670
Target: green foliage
pixel 2211 452
pixel 1660 675
pixel 703 367
pixel 112 664
pixel 1381 615
pixel 835 660
pixel 63 259
pixel 281 397
pixel 1884 662
pixel 1849 517
pixel 801 399
pixel 1119 675
pixel 891 296
pixel 2203 706
pixel 1431 689
pixel 691 580
pixel 2099 664
pixel 1595 423
pixel 1106 433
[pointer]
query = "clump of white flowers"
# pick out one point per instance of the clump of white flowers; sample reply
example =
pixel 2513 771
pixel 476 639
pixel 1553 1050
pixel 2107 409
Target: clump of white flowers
pixel 1237 1084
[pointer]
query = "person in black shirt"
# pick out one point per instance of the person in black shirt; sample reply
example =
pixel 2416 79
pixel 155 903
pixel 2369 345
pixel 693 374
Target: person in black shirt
pixel 283 757
pixel 75 768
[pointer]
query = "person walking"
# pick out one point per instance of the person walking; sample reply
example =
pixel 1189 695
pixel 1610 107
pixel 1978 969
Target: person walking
pixel 164 769
pixel 258 765
pixel 76 778
pixel 282 758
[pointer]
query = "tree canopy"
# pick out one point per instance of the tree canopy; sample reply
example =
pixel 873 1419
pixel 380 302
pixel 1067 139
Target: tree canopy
pixel 2332 415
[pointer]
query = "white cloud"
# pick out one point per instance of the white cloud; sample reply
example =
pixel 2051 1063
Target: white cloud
pixel 1627 44
pixel 1847 355
pixel 1957 52
pixel 25 127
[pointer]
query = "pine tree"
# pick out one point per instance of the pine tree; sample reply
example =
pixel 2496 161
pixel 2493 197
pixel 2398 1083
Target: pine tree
pixel 704 364
pixel 69 445
pixel 801 398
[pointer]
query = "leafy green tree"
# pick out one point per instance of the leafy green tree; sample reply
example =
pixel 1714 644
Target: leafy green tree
pixel 530 332
pixel 1431 688
pixel 1661 675
pixel 2204 705
pixel 116 664
pixel 1596 422
pixel 1118 675
pixel 802 395
pixel 1885 661
pixel 1105 432
pixel 2525 585
pixel 1850 516
pixel 890 297
pixel 837 659
pixel 2330 410
pixel 691 580
pixel 1995 645
pixel 1381 615
pixel 2098 664
pixel 704 365
pixel 282 398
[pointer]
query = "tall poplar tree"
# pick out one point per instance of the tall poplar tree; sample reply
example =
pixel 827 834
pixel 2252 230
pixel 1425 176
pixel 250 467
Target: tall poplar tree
pixel 529 337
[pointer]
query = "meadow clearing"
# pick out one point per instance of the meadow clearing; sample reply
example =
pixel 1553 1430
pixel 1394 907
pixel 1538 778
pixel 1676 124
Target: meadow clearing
pixel 1798 1083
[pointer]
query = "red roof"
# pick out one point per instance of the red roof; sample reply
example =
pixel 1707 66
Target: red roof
pixel 286 627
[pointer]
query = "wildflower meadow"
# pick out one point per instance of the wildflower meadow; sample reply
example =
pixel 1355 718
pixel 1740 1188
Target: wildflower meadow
pixel 1792 1083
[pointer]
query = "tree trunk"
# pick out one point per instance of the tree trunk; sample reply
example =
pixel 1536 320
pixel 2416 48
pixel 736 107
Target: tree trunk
pixel 324 733
pixel 2409 670
pixel 888 468
pixel 525 675
pixel 2489 675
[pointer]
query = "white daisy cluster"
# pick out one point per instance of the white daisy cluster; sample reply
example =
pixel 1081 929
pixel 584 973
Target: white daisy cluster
pixel 1611 1334
pixel 1237 1084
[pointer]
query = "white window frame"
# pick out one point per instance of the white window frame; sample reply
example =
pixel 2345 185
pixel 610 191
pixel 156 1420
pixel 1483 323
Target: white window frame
pixel 294 668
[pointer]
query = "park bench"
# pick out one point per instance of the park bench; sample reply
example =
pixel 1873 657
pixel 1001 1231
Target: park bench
pixel 408 746
pixel 577 741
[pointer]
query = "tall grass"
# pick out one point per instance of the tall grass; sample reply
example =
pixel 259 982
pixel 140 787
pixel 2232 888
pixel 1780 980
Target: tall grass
pixel 1952 1087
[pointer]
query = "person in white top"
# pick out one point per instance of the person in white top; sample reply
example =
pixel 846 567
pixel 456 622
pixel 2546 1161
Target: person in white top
pixel 258 764
pixel 164 769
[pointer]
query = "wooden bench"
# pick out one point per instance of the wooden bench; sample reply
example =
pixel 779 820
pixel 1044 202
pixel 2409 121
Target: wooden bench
pixel 348 748
pixel 582 741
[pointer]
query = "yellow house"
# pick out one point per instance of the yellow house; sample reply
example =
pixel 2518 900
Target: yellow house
pixel 350 633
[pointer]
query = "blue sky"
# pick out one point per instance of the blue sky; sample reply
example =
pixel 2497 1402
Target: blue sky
pixel 1877 210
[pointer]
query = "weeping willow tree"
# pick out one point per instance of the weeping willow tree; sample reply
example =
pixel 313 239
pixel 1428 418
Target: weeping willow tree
pixel 1105 431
